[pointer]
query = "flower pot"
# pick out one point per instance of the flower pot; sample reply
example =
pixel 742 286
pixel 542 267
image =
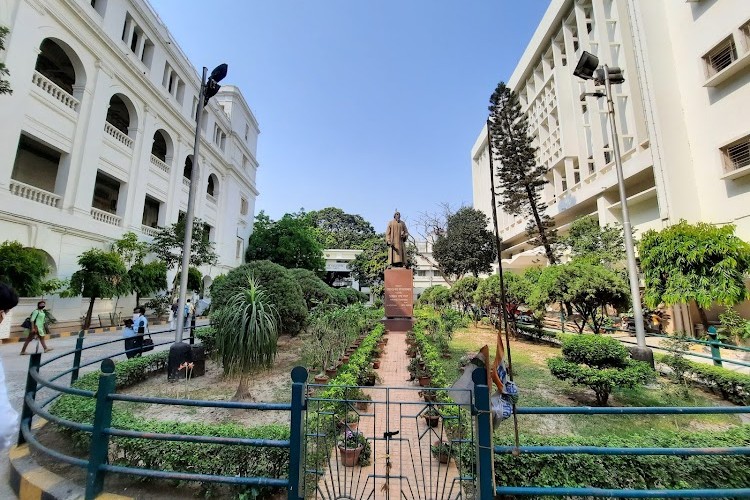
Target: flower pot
pixel 376 364
pixel 443 457
pixel 345 358
pixel 369 381
pixel 350 456
pixel 425 381
pixel 429 397
pixel 331 372
pixel 432 420
pixel 321 379
pixel 363 405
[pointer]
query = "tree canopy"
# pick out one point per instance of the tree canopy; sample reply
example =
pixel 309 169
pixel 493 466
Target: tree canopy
pixel 290 242
pixel 467 247
pixel 335 228
pixel 463 290
pixel 167 244
pixel 147 279
pixel 694 262
pixel 369 266
pixel 22 268
pixel 599 245
pixel 521 178
pixel 102 274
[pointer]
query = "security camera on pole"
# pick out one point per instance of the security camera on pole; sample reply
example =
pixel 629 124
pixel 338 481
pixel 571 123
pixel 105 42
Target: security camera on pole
pixel 588 69
pixel 179 351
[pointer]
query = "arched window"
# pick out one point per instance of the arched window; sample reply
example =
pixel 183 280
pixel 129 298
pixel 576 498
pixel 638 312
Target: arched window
pixel 55 65
pixel 187 172
pixel 162 146
pixel 213 185
pixel 121 114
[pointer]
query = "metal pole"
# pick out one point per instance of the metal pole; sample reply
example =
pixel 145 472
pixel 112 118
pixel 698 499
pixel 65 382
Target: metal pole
pixel 484 449
pixel 635 289
pixel 297 436
pixel 77 358
pixel 99 445
pixel 180 324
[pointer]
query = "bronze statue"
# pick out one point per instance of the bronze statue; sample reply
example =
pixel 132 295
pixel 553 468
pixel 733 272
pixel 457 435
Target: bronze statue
pixel 395 238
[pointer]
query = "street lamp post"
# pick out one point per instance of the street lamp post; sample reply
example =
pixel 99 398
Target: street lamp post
pixel 208 90
pixel 588 69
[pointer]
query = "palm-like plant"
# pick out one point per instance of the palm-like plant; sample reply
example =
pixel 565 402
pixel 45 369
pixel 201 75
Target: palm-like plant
pixel 246 333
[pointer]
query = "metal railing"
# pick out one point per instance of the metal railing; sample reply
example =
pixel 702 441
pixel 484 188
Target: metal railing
pixel 100 430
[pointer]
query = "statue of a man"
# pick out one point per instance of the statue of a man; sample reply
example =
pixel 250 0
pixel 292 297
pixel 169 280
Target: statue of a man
pixel 395 238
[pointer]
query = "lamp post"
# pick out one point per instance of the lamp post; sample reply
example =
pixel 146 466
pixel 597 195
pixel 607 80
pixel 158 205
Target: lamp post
pixel 588 69
pixel 207 91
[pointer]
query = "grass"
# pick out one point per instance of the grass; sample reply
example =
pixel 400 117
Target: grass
pixel 538 387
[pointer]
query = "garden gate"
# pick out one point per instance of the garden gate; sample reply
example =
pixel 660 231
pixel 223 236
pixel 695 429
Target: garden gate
pixel 403 455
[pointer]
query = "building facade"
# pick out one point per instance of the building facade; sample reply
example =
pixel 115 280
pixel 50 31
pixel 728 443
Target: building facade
pixel 97 137
pixel 681 116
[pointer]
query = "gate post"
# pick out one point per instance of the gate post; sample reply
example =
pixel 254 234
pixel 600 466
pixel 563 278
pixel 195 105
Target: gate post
pixel 27 413
pixel 77 358
pixel 296 437
pixel 485 452
pixel 99 440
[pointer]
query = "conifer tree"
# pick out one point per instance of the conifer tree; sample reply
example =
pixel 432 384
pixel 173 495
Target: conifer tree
pixel 521 179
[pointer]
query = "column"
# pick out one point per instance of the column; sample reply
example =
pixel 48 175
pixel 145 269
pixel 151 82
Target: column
pixel 140 170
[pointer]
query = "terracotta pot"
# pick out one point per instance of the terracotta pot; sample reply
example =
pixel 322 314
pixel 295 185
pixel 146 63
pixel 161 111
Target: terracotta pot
pixel 376 364
pixel 331 372
pixel 429 397
pixel 350 456
pixel 345 358
pixel 444 458
pixel 432 420
pixel 363 405
pixel 425 381
pixel 321 379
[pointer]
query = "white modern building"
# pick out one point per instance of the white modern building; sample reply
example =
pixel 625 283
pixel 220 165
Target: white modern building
pixel 682 117
pixel 426 273
pixel 97 137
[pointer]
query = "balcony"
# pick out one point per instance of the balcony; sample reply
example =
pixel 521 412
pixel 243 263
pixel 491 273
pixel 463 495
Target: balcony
pixel 159 164
pixel 34 194
pixel 186 182
pixel 149 231
pixel 106 217
pixel 112 131
pixel 57 93
pixel 210 198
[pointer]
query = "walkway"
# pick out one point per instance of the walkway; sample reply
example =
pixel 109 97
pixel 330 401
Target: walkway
pixel 415 473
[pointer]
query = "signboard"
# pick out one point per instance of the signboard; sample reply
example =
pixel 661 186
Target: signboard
pixel 399 293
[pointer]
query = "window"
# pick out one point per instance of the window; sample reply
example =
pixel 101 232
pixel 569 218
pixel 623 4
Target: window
pixel 244 163
pixel 137 40
pixel 100 6
pixel 247 132
pixel 720 56
pixel 421 272
pixel 243 206
pixel 238 250
pixel 737 154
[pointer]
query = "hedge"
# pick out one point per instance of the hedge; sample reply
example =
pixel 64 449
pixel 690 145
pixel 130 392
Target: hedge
pixel 610 471
pixel 732 386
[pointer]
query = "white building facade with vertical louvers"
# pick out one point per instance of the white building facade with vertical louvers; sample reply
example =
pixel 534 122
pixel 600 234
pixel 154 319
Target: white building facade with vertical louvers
pixel 682 116
pixel 97 137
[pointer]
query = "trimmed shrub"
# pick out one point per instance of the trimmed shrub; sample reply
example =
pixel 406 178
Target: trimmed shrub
pixel 281 285
pixel 599 363
pixel 314 290
pixel 732 386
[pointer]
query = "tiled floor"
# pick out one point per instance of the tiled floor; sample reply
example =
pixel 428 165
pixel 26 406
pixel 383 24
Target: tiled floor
pixel 414 473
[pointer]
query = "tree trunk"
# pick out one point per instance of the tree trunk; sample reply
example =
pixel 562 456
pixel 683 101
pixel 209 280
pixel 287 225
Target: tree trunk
pixel 243 391
pixel 87 321
pixel 137 299
pixel 704 318
pixel 542 230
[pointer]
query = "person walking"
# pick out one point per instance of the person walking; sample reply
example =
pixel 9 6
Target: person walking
pixel 130 339
pixel 38 328
pixel 8 416
pixel 141 328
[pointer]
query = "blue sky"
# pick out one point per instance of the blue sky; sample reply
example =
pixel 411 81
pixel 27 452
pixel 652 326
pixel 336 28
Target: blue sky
pixel 367 105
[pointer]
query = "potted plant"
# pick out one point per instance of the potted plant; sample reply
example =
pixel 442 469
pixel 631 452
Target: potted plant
pixel 364 401
pixel 425 378
pixel 412 351
pixel 431 416
pixel 376 364
pixel 442 451
pixel 413 368
pixel 377 352
pixel 349 421
pixel 429 395
pixel 351 447
pixel 367 377
pixel 321 378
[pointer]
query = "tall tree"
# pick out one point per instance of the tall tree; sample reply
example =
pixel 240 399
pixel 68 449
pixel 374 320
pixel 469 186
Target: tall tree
pixel 289 242
pixel 147 279
pixel 463 290
pixel 167 245
pixel 338 229
pixel 130 249
pixel 694 262
pixel 22 268
pixel 101 275
pixel 467 247
pixel 4 84
pixel 521 178
pixel 369 266
pixel 599 245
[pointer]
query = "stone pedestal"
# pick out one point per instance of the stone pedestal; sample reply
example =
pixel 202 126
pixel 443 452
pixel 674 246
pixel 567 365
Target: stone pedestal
pixel 399 299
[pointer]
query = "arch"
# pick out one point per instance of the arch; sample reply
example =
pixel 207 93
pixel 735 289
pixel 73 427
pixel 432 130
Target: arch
pixel 213 185
pixel 50 261
pixel 60 64
pixel 207 282
pixel 122 115
pixel 162 147
pixel 187 172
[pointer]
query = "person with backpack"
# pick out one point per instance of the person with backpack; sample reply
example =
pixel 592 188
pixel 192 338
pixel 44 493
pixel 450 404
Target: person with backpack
pixel 140 326
pixel 8 416
pixel 37 327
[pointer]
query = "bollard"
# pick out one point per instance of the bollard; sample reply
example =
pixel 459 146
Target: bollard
pixel 26 413
pixel 192 329
pixel 715 346
pixel 296 439
pixel 77 358
pixel 99 439
pixel 485 454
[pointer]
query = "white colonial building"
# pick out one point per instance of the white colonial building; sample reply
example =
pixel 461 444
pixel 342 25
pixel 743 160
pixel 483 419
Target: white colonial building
pixel 682 116
pixel 97 137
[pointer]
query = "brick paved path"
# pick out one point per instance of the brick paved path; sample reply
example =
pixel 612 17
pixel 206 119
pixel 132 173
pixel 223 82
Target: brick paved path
pixel 414 473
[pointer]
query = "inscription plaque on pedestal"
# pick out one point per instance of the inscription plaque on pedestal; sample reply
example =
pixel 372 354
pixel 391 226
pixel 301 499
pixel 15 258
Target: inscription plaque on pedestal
pixel 399 293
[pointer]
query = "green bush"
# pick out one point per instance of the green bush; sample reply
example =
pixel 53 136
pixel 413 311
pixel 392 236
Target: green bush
pixel 207 336
pixel 599 363
pixel 627 471
pixel 281 285
pixel 732 386
pixel 314 290
pixel 23 268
